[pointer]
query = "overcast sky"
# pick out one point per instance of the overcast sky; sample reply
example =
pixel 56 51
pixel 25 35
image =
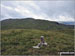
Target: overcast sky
pixel 47 10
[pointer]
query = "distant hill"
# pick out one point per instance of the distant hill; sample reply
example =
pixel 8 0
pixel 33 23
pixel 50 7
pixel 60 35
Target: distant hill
pixel 31 23
pixel 68 23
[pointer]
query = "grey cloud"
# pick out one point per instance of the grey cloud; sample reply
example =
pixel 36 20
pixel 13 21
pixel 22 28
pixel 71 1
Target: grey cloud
pixel 52 9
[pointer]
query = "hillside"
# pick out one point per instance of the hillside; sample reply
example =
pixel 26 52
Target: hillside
pixel 19 35
pixel 20 42
pixel 68 23
pixel 30 23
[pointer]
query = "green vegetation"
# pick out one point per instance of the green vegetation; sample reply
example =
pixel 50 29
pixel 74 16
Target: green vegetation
pixel 19 35
pixel 30 23
pixel 20 41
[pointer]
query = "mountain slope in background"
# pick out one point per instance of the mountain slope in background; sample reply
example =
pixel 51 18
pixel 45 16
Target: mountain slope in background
pixel 30 23
pixel 68 23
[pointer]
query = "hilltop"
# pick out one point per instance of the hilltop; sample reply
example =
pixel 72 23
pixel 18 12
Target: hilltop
pixel 31 23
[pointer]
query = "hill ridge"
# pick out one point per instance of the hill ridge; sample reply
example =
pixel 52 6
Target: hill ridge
pixel 31 23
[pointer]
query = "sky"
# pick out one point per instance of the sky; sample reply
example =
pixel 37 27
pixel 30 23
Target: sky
pixel 59 10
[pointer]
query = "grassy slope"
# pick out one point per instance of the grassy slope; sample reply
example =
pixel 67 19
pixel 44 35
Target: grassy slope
pixel 33 24
pixel 20 41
